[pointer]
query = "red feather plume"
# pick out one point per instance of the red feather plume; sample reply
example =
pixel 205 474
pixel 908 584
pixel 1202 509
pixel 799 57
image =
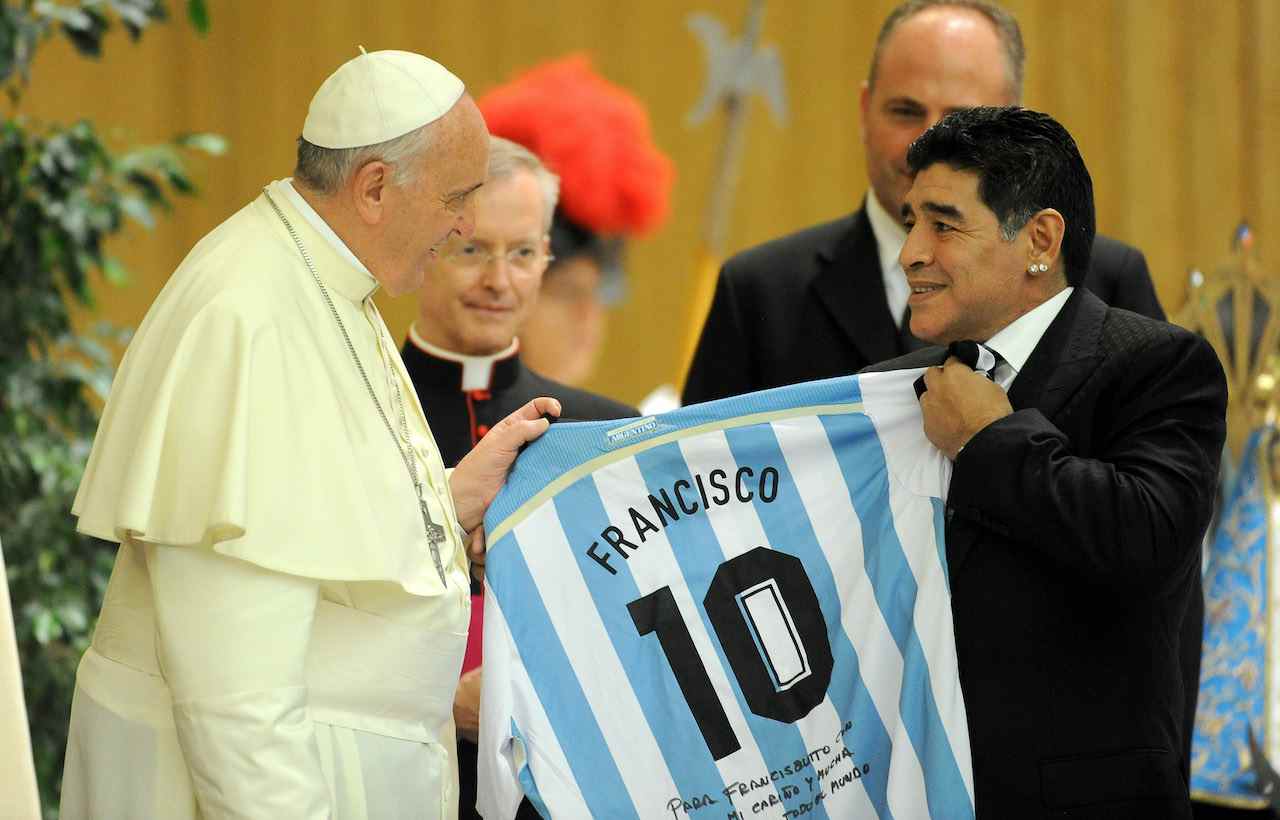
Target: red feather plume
pixel 595 135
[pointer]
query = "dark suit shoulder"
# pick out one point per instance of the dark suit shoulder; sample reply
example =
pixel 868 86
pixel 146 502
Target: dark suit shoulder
pixel 1126 331
pixel 1111 264
pixel 1118 274
pixel 578 404
pixel 1139 349
pixel 787 253
pixel 1111 251
pixel 809 305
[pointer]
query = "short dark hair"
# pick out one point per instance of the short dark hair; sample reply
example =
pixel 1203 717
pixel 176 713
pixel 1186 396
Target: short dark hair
pixel 1005 24
pixel 1025 161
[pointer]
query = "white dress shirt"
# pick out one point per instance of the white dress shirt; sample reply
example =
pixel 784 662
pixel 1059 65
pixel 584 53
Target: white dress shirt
pixel 1016 341
pixel 890 237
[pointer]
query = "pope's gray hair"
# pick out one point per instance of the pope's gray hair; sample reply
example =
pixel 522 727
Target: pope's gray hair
pixel 325 170
pixel 507 157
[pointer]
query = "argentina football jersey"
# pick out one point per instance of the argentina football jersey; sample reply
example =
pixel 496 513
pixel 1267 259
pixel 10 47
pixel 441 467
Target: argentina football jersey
pixel 736 609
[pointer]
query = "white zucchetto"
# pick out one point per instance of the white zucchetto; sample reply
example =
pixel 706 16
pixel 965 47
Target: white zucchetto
pixel 379 96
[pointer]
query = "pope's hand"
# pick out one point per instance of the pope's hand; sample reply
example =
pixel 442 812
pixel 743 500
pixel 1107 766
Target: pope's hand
pixel 959 403
pixel 480 474
pixel 466 705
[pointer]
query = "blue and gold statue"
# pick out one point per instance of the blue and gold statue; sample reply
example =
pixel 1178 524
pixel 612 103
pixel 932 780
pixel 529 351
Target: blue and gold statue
pixel 1236 742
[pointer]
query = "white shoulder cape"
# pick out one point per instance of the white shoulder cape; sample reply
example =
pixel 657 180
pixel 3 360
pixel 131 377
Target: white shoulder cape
pixel 238 420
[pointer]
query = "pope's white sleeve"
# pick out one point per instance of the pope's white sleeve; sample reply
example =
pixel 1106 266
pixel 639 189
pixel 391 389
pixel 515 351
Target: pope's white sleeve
pixel 233 646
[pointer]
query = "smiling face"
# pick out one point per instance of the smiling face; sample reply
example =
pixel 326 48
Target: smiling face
pixel 438 204
pixel 478 291
pixel 966 281
pixel 935 62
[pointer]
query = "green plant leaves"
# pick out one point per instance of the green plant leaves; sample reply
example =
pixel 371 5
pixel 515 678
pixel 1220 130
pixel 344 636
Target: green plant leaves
pixel 84 24
pixel 198 13
pixel 212 144
pixel 114 272
pixel 63 194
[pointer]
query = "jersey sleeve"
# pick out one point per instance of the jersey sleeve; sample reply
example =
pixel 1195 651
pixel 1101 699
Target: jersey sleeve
pixel 890 401
pixel 502 756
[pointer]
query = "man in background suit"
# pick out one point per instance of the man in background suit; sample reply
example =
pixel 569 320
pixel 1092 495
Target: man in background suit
pixel 830 300
pixel 1078 500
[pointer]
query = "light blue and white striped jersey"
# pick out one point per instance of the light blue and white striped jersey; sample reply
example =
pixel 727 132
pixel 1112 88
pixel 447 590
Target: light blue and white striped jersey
pixel 735 609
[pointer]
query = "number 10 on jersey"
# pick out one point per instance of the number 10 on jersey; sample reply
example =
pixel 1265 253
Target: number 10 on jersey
pixel 770 626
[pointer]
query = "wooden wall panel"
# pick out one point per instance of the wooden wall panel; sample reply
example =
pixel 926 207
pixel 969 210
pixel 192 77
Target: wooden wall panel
pixel 1151 139
pixel 1175 104
pixel 1261 89
pixel 1214 169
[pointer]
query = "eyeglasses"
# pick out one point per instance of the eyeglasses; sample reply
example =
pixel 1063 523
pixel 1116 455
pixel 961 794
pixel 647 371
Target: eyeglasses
pixel 526 258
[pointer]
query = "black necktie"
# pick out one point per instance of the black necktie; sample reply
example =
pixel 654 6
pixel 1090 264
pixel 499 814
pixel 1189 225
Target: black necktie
pixel 977 356
pixel 907 342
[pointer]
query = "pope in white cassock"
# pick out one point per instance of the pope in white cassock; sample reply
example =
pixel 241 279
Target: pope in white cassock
pixel 285 622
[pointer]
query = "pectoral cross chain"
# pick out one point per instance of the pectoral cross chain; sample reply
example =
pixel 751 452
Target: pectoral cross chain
pixel 435 535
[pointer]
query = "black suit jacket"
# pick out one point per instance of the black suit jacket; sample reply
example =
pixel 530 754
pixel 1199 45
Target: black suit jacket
pixel 1073 550
pixel 812 305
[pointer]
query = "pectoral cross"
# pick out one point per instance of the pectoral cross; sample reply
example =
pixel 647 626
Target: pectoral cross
pixel 435 537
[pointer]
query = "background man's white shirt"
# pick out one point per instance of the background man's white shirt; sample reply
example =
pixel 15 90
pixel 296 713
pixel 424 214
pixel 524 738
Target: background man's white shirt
pixel 890 237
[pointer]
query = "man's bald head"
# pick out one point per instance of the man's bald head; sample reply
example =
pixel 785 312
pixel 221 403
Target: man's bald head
pixel 1006 29
pixel 933 57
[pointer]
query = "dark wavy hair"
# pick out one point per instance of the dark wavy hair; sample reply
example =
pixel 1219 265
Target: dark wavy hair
pixel 1025 162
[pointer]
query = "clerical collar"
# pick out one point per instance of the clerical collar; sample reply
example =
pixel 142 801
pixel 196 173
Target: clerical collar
pixel 890 237
pixel 1016 341
pixel 495 372
pixel 358 284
